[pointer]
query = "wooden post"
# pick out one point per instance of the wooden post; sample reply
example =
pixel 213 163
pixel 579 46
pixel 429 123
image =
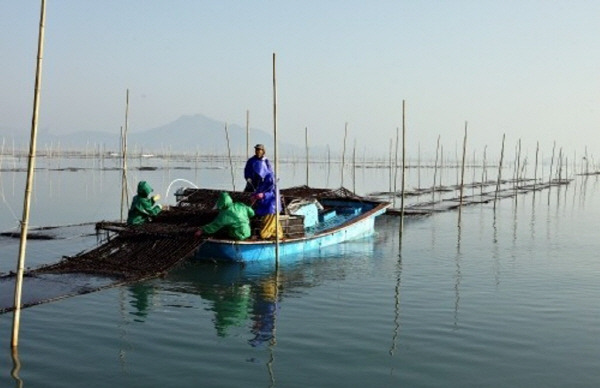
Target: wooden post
pixel 462 175
pixel 537 151
pixel 124 189
pixel 516 186
pixel 307 158
pixel 499 170
pixel 403 167
pixel 419 166
pixel 277 203
pixel 354 168
pixel 344 151
pixel 483 170
pixel 229 156
pixel 551 167
pixel 473 168
pixel 441 165
pixel 395 161
pixel 390 177
pixel 437 150
pixel 29 185
pixel 560 163
pixel 328 163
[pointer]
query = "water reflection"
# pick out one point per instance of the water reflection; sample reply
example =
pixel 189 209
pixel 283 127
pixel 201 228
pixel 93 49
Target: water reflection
pixel 264 312
pixel 141 293
pixel 16 368
pixel 396 330
pixel 251 295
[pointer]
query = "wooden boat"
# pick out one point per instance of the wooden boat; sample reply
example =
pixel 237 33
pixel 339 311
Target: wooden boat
pixel 312 219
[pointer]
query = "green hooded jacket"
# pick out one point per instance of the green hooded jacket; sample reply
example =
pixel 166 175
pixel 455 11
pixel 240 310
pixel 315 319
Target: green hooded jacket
pixel 143 206
pixel 234 217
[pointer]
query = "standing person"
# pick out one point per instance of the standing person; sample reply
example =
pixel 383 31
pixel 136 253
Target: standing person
pixel 257 168
pixel 234 217
pixel 265 198
pixel 143 207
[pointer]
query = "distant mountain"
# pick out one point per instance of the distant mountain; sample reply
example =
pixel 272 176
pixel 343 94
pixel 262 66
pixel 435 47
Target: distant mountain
pixel 198 133
pixel 190 134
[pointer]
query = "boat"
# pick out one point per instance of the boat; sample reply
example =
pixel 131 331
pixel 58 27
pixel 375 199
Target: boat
pixel 311 219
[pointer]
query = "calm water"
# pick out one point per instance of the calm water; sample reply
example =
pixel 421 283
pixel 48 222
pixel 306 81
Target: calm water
pixel 511 298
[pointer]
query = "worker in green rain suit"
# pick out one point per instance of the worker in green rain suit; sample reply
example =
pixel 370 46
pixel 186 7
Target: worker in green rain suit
pixel 233 216
pixel 143 207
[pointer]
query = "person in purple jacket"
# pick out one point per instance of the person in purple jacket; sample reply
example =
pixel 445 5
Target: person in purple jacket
pixel 265 206
pixel 257 168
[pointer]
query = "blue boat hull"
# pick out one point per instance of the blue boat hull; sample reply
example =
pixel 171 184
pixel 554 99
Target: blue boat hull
pixel 362 225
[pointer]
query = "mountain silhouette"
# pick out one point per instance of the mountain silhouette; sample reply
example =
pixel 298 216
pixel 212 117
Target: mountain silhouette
pixel 187 134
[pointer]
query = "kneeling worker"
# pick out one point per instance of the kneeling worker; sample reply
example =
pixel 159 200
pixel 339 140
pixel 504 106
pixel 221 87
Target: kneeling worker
pixel 143 207
pixel 233 216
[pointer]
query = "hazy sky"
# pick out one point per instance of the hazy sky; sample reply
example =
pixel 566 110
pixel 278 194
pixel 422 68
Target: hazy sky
pixel 530 69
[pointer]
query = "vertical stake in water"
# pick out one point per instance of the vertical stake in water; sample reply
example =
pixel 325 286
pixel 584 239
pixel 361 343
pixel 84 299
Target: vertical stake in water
pixel 307 159
pixel 419 166
pixel 391 166
pixel 441 185
pixel 462 175
pixel 499 170
pixel 124 191
pixel 354 168
pixel 551 167
pixel 537 152
pixel 483 170
pixel 403 168
pixel 277 202
pixel 344 151
pixel 28 188
pixel 395 160
pixel 518 167
pixel 560 164
pixel 437 152
pixel 229 156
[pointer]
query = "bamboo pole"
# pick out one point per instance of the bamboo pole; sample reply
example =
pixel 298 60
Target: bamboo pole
pixel 550 176
pixel 537 151
pixel 419 166
pixel 277 203
pixel 483 170
pixel 560 164
pixel 552 163
pixel 391 166
pixel 354 168
pixel 307 158
pixel 516 186
pixel 124 191
pixel 437 150
pixel 462 175
pixel 403 167
pixel 29 185
pixel 344 151
pixel 499 171
pixel 395 161
pixel 328 163
pixel 473 178
pixel 441 165
pixel 229 156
